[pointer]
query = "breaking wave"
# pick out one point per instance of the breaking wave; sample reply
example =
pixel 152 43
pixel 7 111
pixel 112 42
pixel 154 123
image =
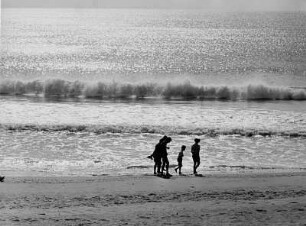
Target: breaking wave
pixel 186 90
pixel 117 129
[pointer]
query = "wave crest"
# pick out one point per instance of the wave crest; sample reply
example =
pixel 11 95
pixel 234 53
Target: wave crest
pixel 120 129
pixel 186 91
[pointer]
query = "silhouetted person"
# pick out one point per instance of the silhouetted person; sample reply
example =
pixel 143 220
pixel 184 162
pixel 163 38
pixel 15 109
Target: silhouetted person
pixel 195 150
pixel 2 179
pixel 180 159
pixel 157 155
pixel 164 155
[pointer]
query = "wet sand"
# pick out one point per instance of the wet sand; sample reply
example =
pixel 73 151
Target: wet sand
pixel 241 199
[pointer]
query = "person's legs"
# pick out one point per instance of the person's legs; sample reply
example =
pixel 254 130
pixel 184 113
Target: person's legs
pixel 155 166
pixel 197 164
pixel 167 165
pixel 163 166
pixel 158 164
pixel 178 167
pixel 194 164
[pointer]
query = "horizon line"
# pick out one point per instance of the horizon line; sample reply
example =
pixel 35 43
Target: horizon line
pixel 147 7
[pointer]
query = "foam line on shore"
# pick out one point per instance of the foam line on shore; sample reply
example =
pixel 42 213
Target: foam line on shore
pixel 120 129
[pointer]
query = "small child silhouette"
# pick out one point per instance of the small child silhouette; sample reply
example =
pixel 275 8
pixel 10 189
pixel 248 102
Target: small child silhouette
pixel 180 159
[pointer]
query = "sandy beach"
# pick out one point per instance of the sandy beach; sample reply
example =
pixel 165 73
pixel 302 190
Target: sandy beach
pixel 241 199
pixel 88 90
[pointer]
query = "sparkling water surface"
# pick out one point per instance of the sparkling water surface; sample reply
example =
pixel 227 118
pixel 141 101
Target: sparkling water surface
pixel 257 127
pixel 81 42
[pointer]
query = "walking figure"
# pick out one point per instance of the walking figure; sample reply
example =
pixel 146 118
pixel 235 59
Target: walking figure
pixel 180 159
pixel 195 151
pixel 157 156
pixel 164 154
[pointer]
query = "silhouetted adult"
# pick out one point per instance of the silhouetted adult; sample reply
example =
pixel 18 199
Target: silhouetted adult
pixel 164 155
pixel 157 155
pixel 195 150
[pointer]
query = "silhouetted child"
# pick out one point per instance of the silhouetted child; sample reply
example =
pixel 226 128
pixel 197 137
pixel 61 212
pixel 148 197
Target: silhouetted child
pixel 180 159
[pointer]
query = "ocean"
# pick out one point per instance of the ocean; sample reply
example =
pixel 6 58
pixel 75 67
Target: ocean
pixel 91 91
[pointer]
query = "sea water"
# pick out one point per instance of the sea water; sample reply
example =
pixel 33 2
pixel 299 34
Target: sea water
pixel 90 92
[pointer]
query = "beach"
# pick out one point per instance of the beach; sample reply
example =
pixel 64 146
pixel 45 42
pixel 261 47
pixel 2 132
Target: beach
pixel 87 93
pixel 224 199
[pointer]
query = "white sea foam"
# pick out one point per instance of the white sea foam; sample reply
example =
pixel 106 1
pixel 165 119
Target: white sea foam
pixel 96 123
pixel 130 129
pixel 61 153
pixel 269 118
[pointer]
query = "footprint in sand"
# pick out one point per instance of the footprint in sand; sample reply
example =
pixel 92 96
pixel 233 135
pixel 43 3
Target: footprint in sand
pixel 144 217
pixel 262 211
pixel 281 210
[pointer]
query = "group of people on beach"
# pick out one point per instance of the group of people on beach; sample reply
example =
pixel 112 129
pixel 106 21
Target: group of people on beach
pixel 160 156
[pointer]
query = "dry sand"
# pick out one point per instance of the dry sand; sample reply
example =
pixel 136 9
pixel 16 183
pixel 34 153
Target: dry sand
pixel 241 199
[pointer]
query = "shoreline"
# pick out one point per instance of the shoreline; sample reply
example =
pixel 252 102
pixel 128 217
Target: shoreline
pixel 240 199
pixel 230 171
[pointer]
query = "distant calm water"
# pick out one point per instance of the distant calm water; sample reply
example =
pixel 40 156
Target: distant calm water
pixel 88 91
